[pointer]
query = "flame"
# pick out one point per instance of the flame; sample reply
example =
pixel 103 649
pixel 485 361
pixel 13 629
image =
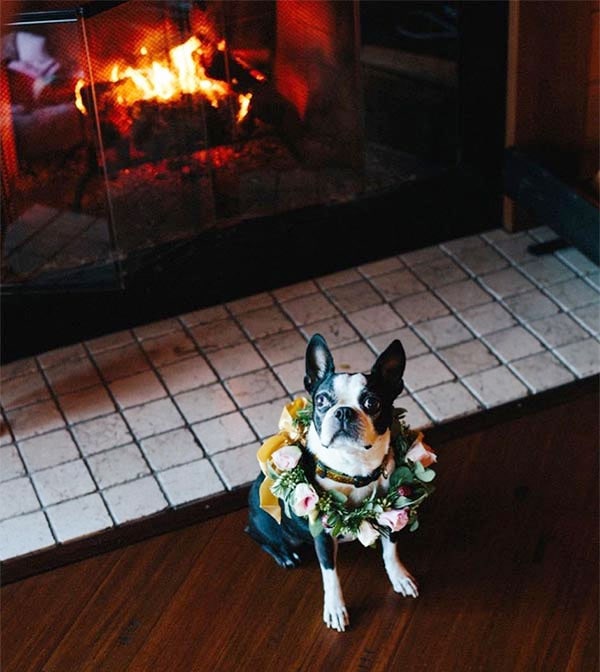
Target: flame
pixel 78 99
pixel 162 80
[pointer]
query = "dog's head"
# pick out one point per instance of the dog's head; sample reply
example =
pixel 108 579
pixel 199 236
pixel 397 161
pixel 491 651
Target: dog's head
pixel 352 411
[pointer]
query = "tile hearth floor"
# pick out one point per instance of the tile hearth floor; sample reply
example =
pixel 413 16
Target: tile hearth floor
pixel 133 423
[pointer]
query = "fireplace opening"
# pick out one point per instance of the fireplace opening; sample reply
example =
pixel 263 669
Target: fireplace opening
pixel 173 154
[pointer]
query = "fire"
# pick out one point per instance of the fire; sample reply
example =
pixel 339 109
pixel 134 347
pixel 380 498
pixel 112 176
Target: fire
pixel 183 74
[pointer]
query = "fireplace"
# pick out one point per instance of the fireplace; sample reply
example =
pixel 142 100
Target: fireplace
pixel 164 155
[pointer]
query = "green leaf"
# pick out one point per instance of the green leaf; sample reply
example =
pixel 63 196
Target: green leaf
pixel 338 496
pixel 414 525
pixel 315 527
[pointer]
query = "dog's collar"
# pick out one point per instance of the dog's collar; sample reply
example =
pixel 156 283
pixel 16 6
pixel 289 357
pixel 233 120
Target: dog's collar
pixel 324 471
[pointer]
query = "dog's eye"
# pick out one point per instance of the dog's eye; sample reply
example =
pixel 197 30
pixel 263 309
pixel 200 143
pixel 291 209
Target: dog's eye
pixel 372 405
pixel 322 401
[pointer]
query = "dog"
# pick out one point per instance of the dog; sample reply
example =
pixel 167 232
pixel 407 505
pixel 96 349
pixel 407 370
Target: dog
pixel 348 435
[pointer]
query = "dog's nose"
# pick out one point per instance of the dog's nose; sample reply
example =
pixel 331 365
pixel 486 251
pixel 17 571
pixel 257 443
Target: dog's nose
pixel 345 414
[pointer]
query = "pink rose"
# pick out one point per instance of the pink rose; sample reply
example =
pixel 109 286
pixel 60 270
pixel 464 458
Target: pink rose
pixel 367 534
pixel 304 499
pixel 287 457
pixel 395 519
pixel 405 491
pixel 421 452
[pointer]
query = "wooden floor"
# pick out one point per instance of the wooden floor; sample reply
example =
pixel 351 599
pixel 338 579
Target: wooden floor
pixel 507 560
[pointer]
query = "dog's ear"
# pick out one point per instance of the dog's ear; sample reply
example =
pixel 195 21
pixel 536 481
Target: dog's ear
pixel 319 362
pixel 389 368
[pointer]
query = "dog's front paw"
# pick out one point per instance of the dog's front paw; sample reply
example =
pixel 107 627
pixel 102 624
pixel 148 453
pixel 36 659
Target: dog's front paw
pixel 335 615
pixel 404 584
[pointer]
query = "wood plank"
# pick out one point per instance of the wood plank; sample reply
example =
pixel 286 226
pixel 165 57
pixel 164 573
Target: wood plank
pixel 506 558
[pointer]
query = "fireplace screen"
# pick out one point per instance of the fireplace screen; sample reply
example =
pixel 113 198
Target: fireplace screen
pixel 129 125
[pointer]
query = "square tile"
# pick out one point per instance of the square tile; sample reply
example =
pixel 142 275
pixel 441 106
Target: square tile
pixel 264 322
pixel 48 450
pixel 397 284
pixel 291 374
pixel 205 402
pixel 64 355
pixel 264 418
pixel 236 360
pixel 24 390
pixel 589 316
pixel 542 233
pixel 238 466
pixel 531 305
pixel 187 374
pixel 101 433
pixel 153 418
pixel 546 270
pixel 459 246
pixel 425 371
pixel 189 482
pixel 295 290
pixel 375 320
pixel 135 499
pixel 353 358
pixel 495 386
pixel 582 357
pixel 79 517
pixel 17 368
pixel 415 415
pixel 171 448
pixel 468 357
pixel 439 272
pixel 420 307
pixel 110 341
pixel 577 261
pixel 250 303
pixel 25 534
pixel 121 362
pixel 488 318
pixel 86 404
pixel 344 277
pixel 216 335
pixel 155 329
pixel 169 348
pixel 542 371
pixel 513 343
pixel 415 257
pixel 516 247
pixel 447 401
pixel 463 294
pixel 355 296
pixel 137 389
pixel 117 465
pixel 17 496
pixel 65 481
pixel 380 267
pixel 443 332
pixel 73 375
pixel 335 330
pixel 34 419
pixel 506 282
pixel 11 465
pixel 412 344
pixel 481 259
pixel 558 330
pixel 204 316
pixel 282 347
pixel 223 433
pixel 309 308
pixel 254 388
pixel 573 293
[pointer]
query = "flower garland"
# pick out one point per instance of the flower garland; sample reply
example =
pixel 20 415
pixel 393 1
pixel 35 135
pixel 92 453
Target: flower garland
pixel 281 457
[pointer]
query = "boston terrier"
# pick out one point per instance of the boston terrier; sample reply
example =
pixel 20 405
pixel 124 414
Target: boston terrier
pixel 349 434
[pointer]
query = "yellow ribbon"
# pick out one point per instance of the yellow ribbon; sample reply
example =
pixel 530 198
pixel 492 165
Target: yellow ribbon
pixel 288 435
